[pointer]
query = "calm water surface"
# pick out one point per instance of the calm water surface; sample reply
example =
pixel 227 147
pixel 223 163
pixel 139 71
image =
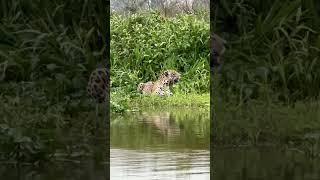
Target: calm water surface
pixel 164 145
pixel 167 144
pixel 264 163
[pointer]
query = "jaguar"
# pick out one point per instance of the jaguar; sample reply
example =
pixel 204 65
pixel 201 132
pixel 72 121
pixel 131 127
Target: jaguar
pixel 98 85
pixel 161 86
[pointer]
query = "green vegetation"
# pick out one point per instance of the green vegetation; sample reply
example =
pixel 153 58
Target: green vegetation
pixel 268 88
pixel 47 50
pixel 145 44
pixel 262 122
pixel 121 102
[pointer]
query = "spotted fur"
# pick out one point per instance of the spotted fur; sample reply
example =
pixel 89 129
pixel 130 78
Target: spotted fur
pixel 145 88
pixel 98 85
pixel 161 87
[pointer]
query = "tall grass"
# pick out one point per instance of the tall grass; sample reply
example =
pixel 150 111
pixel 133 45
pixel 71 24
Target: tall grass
pixel 47 50
pixel 273 49
pixel 55 44
pixel 144 44
pixel 268 87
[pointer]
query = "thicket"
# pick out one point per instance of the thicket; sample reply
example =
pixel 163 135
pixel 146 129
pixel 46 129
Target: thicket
pixel 268 87
pixel 145 44
pixel 47 50
pixel 54 45
pixel 273 50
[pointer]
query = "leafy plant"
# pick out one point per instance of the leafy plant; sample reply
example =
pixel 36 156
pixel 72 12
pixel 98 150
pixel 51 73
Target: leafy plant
pixel 272 49
pixel 145 44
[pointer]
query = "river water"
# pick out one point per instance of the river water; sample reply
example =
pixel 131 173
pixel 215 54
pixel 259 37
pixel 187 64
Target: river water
pixel 264 163
pixel 164 145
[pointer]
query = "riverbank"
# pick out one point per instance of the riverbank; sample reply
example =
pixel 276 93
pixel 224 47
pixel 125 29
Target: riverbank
pixel 121 101
pixel 34 130
pixel 261 122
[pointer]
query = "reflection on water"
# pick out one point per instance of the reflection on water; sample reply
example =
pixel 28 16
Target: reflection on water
pixel 76 170
pixel 263 164
pixel 162 121
pixel 160 145
pixel 78 152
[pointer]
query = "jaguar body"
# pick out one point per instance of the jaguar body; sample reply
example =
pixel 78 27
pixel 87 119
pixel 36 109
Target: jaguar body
pixel 160 87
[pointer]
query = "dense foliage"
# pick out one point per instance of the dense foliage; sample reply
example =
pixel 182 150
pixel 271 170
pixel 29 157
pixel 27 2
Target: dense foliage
pixel 47 50
pixel 144 44
pixel 268 87
pixel 273 49
pixel 53 44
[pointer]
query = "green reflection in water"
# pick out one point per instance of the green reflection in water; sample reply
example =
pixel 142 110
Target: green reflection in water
pixel 263 163
pixel 160 144
pixel 172 129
